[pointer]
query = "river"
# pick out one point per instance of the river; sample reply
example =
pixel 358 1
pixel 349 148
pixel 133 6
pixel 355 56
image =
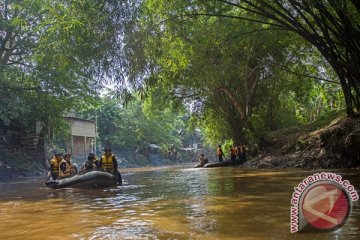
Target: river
pixel 165 203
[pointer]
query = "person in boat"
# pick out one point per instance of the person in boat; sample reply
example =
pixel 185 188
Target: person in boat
pixel 220 153
pixel 66 168
pixel 109 164
pixel 203 160
pixel 90 164
pixel 232 155
pixel 55 165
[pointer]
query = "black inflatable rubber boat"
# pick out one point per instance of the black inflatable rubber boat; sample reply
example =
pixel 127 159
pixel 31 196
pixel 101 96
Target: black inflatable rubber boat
pixel 218 164
pixel 92 179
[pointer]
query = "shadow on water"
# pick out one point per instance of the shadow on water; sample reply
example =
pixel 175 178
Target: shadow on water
pixel 164 203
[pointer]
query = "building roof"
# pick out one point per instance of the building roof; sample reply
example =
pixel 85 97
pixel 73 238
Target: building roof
pixel 78 119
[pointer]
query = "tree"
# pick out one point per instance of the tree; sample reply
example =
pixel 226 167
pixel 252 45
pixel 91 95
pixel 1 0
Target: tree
pixel 129 126
pixel 331 26
pixel 211 64
pixel 240 78
pixel 55 55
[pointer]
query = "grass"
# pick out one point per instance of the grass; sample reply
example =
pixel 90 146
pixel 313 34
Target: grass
pixel 288 138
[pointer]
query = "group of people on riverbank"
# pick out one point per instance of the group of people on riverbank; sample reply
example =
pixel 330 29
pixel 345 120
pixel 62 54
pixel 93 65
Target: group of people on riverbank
pixel 61 166
pixel 237 154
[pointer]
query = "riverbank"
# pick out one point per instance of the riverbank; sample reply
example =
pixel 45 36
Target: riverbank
pixel 336 145
pixel 16 164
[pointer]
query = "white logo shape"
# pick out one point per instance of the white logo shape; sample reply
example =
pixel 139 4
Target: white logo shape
pixel 313 206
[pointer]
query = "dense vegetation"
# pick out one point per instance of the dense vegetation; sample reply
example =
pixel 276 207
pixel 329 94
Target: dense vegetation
pixel 234 69
pixel 240 78
pixel 130 127
pixel 53 56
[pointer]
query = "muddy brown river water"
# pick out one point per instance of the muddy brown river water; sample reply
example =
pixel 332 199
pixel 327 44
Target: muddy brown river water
pixel 165 203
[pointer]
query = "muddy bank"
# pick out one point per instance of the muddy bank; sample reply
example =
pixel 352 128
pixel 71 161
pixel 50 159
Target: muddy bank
pixel 336 145
pixel 11 173
pixel 16 164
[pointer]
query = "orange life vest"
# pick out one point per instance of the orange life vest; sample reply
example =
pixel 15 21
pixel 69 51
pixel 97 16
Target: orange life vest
pixel 237 150
pixel 219 152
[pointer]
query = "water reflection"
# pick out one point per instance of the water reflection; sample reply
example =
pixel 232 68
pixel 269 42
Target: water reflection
pixel 164 203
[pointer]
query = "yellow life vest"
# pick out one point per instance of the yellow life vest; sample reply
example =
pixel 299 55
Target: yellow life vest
pixel 54 166
pixel 107 162
pixel 67 171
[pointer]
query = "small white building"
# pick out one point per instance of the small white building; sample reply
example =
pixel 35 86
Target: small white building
pixel 82 136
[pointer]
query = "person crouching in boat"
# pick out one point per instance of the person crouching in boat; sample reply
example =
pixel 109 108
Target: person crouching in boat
pixel 203 160
pixel 55 164
pixel 109 164
pixel 66 168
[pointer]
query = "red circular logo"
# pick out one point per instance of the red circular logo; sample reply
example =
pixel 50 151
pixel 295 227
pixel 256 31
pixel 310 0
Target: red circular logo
pixel 326 206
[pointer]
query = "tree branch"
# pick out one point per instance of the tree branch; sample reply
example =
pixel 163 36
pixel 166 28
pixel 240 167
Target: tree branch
pixel 301 74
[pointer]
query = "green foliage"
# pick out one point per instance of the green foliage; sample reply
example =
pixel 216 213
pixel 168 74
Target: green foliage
pixel 239 78
pixel 132 125
pixel 326 117
pixel 214 132
pixel 234 79
pixel 54 55
pixel 226 147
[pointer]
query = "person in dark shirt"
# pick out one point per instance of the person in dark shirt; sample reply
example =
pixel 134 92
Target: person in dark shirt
pixel 203 160
pixel 220 153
